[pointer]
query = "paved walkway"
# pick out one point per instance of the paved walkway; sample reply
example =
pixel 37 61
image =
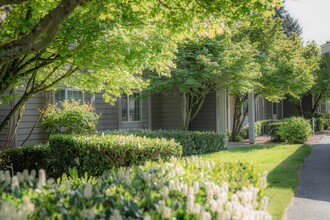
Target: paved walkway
pixel 312 199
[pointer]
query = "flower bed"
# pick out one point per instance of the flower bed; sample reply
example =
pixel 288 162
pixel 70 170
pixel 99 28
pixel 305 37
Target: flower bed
pixel 181 189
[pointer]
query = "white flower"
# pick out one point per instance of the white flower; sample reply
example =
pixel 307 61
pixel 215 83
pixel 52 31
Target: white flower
pixel 7 177
pixel 166 212
pixel 116 215
pixel 147 217
pixel 204 215
pixel 197 209
pixel 88 214
pixel 165 192
pixel 88 191
pixel 42 178
pixel 196 187
pixel 264 203
pixel 263 182
pixel 14 182
pixel 226 215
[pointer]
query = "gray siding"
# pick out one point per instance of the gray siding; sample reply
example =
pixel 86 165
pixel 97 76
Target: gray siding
pixel 206 118
pixel 166 113
pixel 4 110
pixel 291 110
pixel 109 113
pixel 264 109
pixel 30 117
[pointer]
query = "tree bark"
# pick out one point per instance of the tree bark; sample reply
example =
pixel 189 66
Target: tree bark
pixel 41 35
pixel 239 116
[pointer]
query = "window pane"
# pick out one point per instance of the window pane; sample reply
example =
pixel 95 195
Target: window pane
pixel 274 108
pixel 124 108
pixel 76 95
pixel 59 95
pixel 134 107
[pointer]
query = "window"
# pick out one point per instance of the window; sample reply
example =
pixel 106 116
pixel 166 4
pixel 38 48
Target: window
pixel 131 107
pixel 275 108
pixel 68 94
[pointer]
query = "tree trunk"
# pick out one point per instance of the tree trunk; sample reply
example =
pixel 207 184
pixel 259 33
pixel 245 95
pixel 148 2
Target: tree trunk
pixel 239 116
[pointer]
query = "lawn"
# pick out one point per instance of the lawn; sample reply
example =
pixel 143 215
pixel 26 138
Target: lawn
pixel 282 163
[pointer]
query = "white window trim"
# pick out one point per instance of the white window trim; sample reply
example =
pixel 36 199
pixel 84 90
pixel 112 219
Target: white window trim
pixel 66 94
pixel 126 122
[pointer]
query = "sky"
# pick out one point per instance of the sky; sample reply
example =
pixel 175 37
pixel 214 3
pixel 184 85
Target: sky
pixel 313 16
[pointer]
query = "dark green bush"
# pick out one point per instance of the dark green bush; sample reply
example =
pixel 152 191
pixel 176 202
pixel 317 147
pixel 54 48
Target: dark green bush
pixel 97 153
pixel 295 130
pixel 319 123
pixel 261 128
pixel 326 116
pixel 272 130
pixel 71 118
pixel 193 142
pixel 29 157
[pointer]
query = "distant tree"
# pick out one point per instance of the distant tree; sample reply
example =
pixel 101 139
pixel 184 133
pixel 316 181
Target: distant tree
pixel 290 25
pixel 205 66
pixel 321 86
pixel 284 69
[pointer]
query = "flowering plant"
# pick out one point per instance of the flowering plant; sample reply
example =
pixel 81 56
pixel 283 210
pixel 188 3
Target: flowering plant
pixel 183 189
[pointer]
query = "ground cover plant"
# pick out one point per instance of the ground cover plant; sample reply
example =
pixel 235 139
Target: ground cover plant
pixel 193 142
pixel 183 189
pixel 282 163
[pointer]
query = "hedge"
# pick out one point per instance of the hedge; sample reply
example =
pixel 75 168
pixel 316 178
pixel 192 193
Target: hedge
pixel 31 157
pixel 178 189
pixel 264 127
pixel 295 130
pixel 96 153
pixel 193 142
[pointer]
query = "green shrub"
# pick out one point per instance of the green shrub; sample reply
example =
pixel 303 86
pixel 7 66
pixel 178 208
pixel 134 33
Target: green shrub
pixel 95 153
pixel 257 131
pixel 261 128
pixel 319 123
pixel 29 157
pixel 272 130
pixel 295 130
pixel 71 117
pixel 188 189
pixel 193 142
pixel 326 117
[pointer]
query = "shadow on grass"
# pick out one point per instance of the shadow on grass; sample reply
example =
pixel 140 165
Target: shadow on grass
pixel 246 149
pixel 286 174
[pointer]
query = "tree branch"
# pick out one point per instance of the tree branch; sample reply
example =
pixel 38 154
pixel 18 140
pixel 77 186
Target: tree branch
pixel 40 35
pixel 11 2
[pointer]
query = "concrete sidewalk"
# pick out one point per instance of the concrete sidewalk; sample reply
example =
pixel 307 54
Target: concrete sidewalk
pixel 312 199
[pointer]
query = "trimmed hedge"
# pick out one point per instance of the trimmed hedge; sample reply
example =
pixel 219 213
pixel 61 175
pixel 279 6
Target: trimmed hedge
pixel 97 153
pixel 193 142
pixel 30 157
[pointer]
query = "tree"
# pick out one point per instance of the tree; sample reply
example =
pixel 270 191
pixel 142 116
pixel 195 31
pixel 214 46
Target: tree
pixel 290 25
pixel 284 70
pixel 203 67
pixel 321 86
pixel 101 45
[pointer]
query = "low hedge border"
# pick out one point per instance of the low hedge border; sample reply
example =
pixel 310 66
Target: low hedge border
pixel 96 153
pixel 193 142
pixel 31 157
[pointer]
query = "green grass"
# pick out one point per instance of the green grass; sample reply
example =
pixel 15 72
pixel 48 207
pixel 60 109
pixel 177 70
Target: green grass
pixel 282 163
